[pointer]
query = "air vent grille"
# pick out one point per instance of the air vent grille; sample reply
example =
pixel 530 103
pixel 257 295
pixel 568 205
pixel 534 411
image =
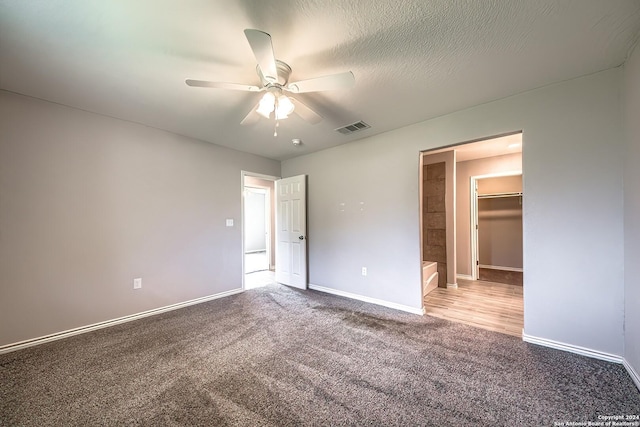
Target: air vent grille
pixel 353 127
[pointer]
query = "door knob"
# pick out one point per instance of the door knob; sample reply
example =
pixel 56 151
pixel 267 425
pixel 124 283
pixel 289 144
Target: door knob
pixel 301 237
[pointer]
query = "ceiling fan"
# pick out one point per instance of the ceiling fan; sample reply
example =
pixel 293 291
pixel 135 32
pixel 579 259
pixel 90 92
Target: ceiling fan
pixel 274 80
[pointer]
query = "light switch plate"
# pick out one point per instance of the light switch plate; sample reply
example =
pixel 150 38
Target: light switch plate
pixel 229 223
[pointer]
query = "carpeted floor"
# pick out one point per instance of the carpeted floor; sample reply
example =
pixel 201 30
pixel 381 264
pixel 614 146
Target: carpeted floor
pixel 282 357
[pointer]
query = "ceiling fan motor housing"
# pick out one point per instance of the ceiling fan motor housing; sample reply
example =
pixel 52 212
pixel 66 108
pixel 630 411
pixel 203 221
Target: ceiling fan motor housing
pixel 284 71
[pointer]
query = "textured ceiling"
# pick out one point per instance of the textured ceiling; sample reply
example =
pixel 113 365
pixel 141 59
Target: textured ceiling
pixel 412 59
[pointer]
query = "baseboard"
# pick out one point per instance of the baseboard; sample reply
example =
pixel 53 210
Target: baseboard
pixel 401 307
pixel 452 286
pixel 632 373
pixel 572 348
pixel 100 325
pixel 464 277
pixel 498 267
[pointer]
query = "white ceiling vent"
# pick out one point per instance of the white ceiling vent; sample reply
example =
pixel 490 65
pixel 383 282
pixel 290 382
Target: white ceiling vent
pixel 353 127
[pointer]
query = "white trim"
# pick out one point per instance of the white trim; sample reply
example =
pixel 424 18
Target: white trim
pixel 100 325
pixel 572 348
pixel 632 373
pixel 499 267
pixel 473 227
pixel 464 277
pixel 452 286
pixel 259 176
pixel 401 307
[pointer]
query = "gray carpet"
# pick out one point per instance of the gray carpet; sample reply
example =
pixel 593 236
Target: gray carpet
pixel 279 356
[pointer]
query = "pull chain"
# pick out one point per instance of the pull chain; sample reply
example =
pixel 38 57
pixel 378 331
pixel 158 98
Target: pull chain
pixel 275 108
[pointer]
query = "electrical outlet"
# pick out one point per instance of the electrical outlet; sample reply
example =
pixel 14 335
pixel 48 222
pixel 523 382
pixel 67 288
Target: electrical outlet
pixel 364 271
pixel 137 283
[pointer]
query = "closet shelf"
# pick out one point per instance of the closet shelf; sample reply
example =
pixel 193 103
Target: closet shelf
pixel 498 195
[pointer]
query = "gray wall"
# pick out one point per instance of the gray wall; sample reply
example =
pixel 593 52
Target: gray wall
pixel 500 184
pixel 500 232
pixel 632 211
pixel 88 203
pixel 464 172
pixel 573 247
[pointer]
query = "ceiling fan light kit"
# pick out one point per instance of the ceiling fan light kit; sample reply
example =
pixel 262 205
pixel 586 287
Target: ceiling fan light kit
pixel 274 77
pixel 283 107
pixel 266 105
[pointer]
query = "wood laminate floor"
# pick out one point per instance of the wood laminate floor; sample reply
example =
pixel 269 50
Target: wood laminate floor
pixel 487 305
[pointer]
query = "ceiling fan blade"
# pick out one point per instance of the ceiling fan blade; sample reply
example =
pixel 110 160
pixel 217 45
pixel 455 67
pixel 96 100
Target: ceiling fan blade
pixel 334 81
pixel 222 85
pixel 305 112
pixel 252 117
pixel 262 47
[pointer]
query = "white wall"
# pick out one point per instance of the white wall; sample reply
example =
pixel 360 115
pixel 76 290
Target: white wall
pixel 255 220
pixel 632 211
pixel 573 244
pixel 88 203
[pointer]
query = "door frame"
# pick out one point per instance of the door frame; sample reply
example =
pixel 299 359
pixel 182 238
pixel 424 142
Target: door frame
pixel 244 174
pixel 473 215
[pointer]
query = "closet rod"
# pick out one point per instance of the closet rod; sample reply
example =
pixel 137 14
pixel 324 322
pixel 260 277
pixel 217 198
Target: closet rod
pixel 497 195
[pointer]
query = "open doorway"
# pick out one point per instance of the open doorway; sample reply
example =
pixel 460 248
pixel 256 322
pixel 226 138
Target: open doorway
pixel 257 236
pixel 473 232
pixel 258 229
pixel 496 227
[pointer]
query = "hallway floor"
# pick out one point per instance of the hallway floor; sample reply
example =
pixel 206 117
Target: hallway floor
pixel 255 261
pixel 259 278
pixel 257 273
pixel 487 305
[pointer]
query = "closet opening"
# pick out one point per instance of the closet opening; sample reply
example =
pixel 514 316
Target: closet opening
pixel 496 215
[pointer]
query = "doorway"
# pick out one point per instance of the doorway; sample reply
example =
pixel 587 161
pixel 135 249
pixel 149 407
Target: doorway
pixel 468 295
pixel 258 228
pixel 276 209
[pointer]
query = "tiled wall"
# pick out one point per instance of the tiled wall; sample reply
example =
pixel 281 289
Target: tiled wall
pixel 435 225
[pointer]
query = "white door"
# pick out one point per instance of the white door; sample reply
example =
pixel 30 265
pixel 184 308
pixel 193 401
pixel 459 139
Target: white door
pixel 291 232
